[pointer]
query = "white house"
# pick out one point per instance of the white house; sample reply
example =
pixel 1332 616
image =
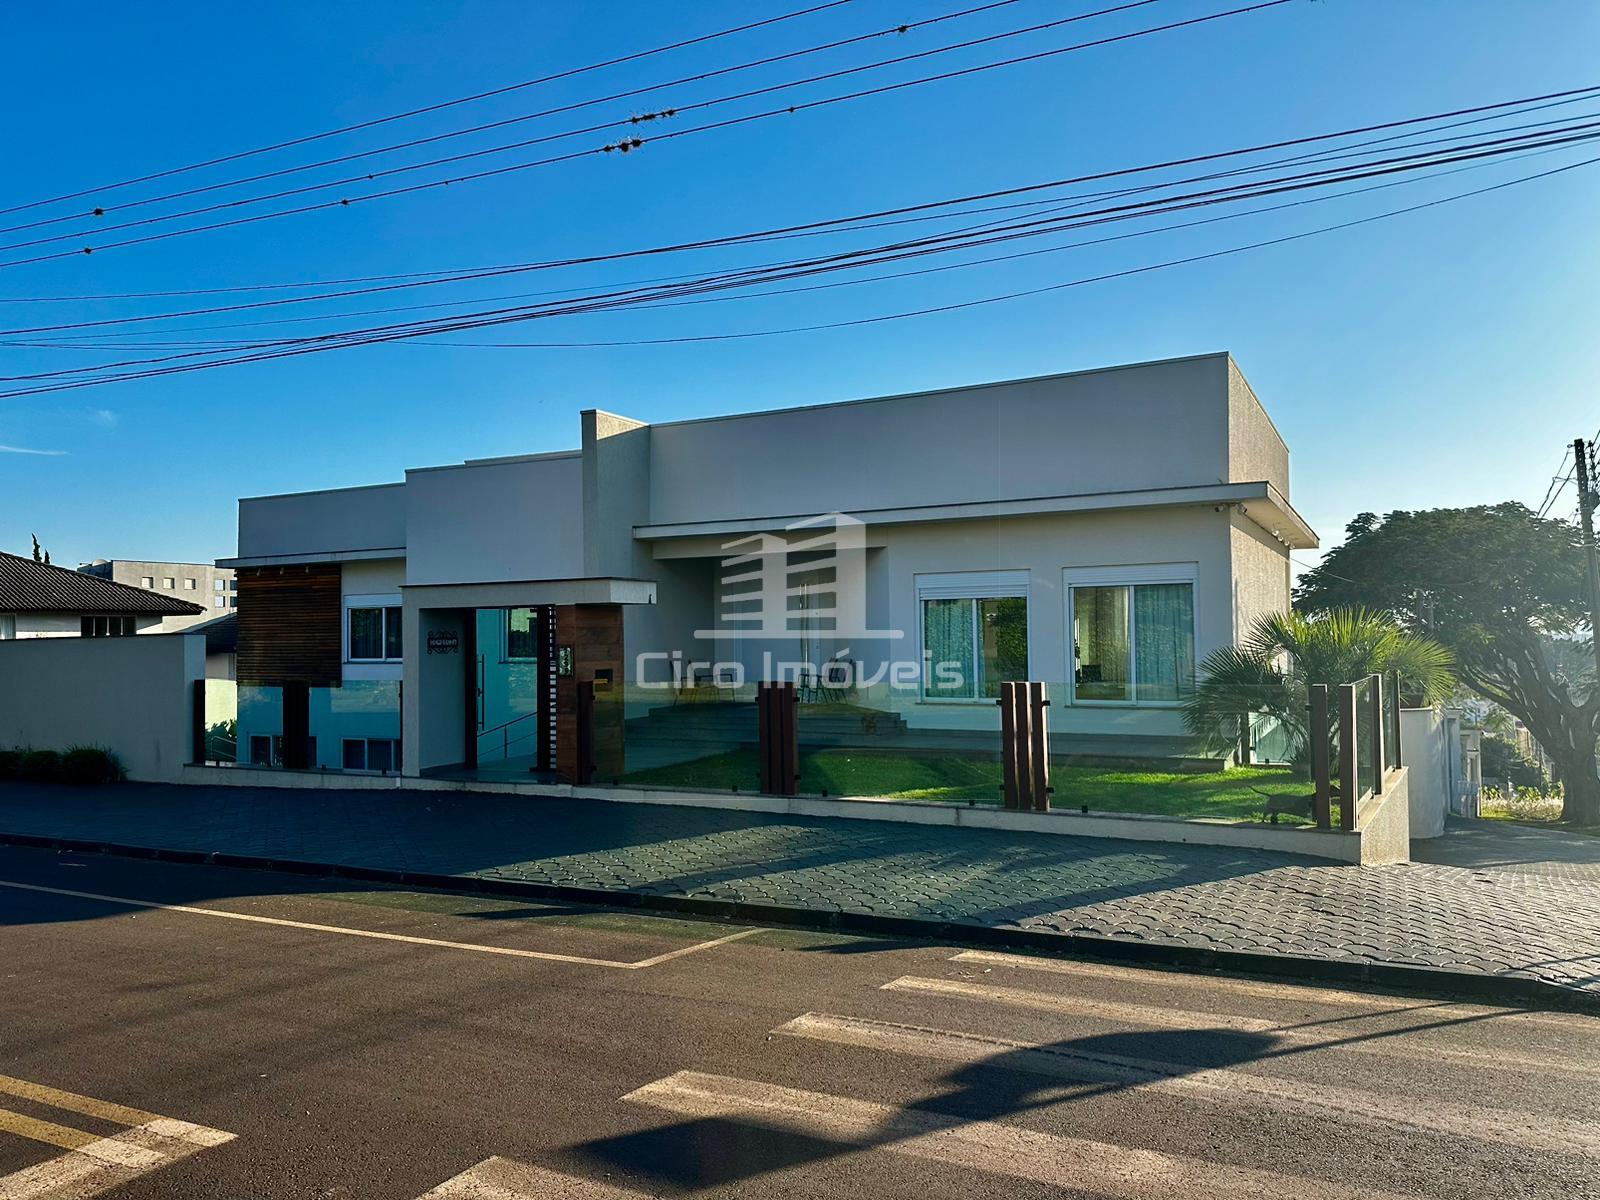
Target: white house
pixel 898 556
pixel 38 600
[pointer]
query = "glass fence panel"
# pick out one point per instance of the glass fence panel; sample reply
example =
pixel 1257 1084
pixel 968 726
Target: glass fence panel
pixel 1241 756
pixel 699 733
pixel 258 729
pixel 355 727
pixel 1366 729
pixel 1391 732
pixel 861 735
pixel 221 721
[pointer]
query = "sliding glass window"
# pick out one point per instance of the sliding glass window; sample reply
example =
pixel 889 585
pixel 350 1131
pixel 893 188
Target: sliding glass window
pixel 375 635
pixel 1133 643
pixel 972 643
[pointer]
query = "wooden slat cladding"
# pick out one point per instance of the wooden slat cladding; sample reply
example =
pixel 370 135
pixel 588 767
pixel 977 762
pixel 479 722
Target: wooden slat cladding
pixel 594 631
pixel 289 625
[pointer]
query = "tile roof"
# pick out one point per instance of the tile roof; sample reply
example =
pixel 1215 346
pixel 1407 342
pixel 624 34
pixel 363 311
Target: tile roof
pixel 27 586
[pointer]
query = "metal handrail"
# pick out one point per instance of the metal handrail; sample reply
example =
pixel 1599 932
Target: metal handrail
pixel 504 729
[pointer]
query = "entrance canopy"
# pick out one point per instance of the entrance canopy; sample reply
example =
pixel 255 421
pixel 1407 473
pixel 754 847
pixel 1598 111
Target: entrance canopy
pixel 529 593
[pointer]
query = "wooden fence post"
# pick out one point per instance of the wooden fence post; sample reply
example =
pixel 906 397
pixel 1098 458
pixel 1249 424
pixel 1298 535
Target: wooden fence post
pixel 296 726
pixel 777 724
pixel 1010 787
pixel 197 723
pixel 583 769
pixel 1039 748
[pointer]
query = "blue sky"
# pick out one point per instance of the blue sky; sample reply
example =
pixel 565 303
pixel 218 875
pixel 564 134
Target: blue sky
pixel 1437 359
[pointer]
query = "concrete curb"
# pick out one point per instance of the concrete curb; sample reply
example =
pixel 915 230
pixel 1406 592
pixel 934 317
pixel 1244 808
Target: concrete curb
pixel 1459 985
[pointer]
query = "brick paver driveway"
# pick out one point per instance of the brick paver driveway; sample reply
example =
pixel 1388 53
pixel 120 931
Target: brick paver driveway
pixel 1477 918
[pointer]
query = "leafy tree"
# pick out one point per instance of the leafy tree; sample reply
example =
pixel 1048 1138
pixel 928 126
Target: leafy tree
pixel 1271 671
pixel 1506 591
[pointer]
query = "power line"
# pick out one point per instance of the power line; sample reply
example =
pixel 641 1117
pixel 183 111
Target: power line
pixel 222 344
pixel 435 278
pixel 770 60
pixel 431 108
pixel 633 143
pixel 963 239
pixel 376 337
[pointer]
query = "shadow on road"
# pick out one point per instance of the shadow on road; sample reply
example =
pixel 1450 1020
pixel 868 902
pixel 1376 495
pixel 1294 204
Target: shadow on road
pixel 711 1151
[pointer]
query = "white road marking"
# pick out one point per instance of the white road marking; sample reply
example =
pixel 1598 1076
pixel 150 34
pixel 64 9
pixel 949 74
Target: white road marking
pixel 1299 993
pixel 1105 1169
pixel 1535 1131
pixel 110 1162
pixel 507 1179
pixel 1387 1043
pixel 409 939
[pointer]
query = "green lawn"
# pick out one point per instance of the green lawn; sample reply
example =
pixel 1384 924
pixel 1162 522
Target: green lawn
pixel 1225 794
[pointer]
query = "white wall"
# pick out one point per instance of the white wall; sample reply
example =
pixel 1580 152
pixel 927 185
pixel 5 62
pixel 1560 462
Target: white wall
pixel 1044 546
pixel 1425 750
pixel 435 691
pixel 341 521
pixel 371 582
pixel 496 521
pixel 1155 425
pixel 1260 574
pixel 132 695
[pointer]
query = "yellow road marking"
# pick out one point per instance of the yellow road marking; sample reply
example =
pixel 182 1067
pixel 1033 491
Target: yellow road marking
pixel 72 1102
pixel 106 1163
pixel 409 939
pixel 47 1132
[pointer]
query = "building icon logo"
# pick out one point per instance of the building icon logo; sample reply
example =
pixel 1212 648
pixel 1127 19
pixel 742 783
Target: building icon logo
pixel 808 584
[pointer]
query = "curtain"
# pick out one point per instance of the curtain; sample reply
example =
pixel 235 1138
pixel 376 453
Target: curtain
pixel 366 633
pixel 1100 634
pixel 947 641
pixel 1005 641
pixel 1163 616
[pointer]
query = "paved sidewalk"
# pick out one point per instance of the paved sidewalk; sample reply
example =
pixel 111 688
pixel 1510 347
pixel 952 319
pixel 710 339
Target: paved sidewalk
pixel 1480 920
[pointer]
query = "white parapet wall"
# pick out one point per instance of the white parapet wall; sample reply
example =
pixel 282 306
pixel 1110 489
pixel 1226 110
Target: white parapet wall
pixel 132 695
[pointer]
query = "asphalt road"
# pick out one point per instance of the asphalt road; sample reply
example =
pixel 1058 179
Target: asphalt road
pixel 343 1040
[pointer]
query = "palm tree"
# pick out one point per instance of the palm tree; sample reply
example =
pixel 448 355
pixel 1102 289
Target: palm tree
pixel 1271 671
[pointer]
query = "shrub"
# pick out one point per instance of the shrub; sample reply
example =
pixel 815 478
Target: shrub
pixel 42 765
pixel 86 765
pixel 90 765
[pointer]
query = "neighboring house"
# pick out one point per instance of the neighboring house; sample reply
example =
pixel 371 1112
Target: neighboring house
pixel 1100 531
pixel 37 600
pixel 213 588
pixel 222 645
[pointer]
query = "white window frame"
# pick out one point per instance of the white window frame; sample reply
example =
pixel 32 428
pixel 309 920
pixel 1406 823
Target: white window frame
pixel 1129 577
pixel 383 600
pixel 968 585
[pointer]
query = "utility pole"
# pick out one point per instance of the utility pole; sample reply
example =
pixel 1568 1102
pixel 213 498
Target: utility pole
pixel 1586 502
